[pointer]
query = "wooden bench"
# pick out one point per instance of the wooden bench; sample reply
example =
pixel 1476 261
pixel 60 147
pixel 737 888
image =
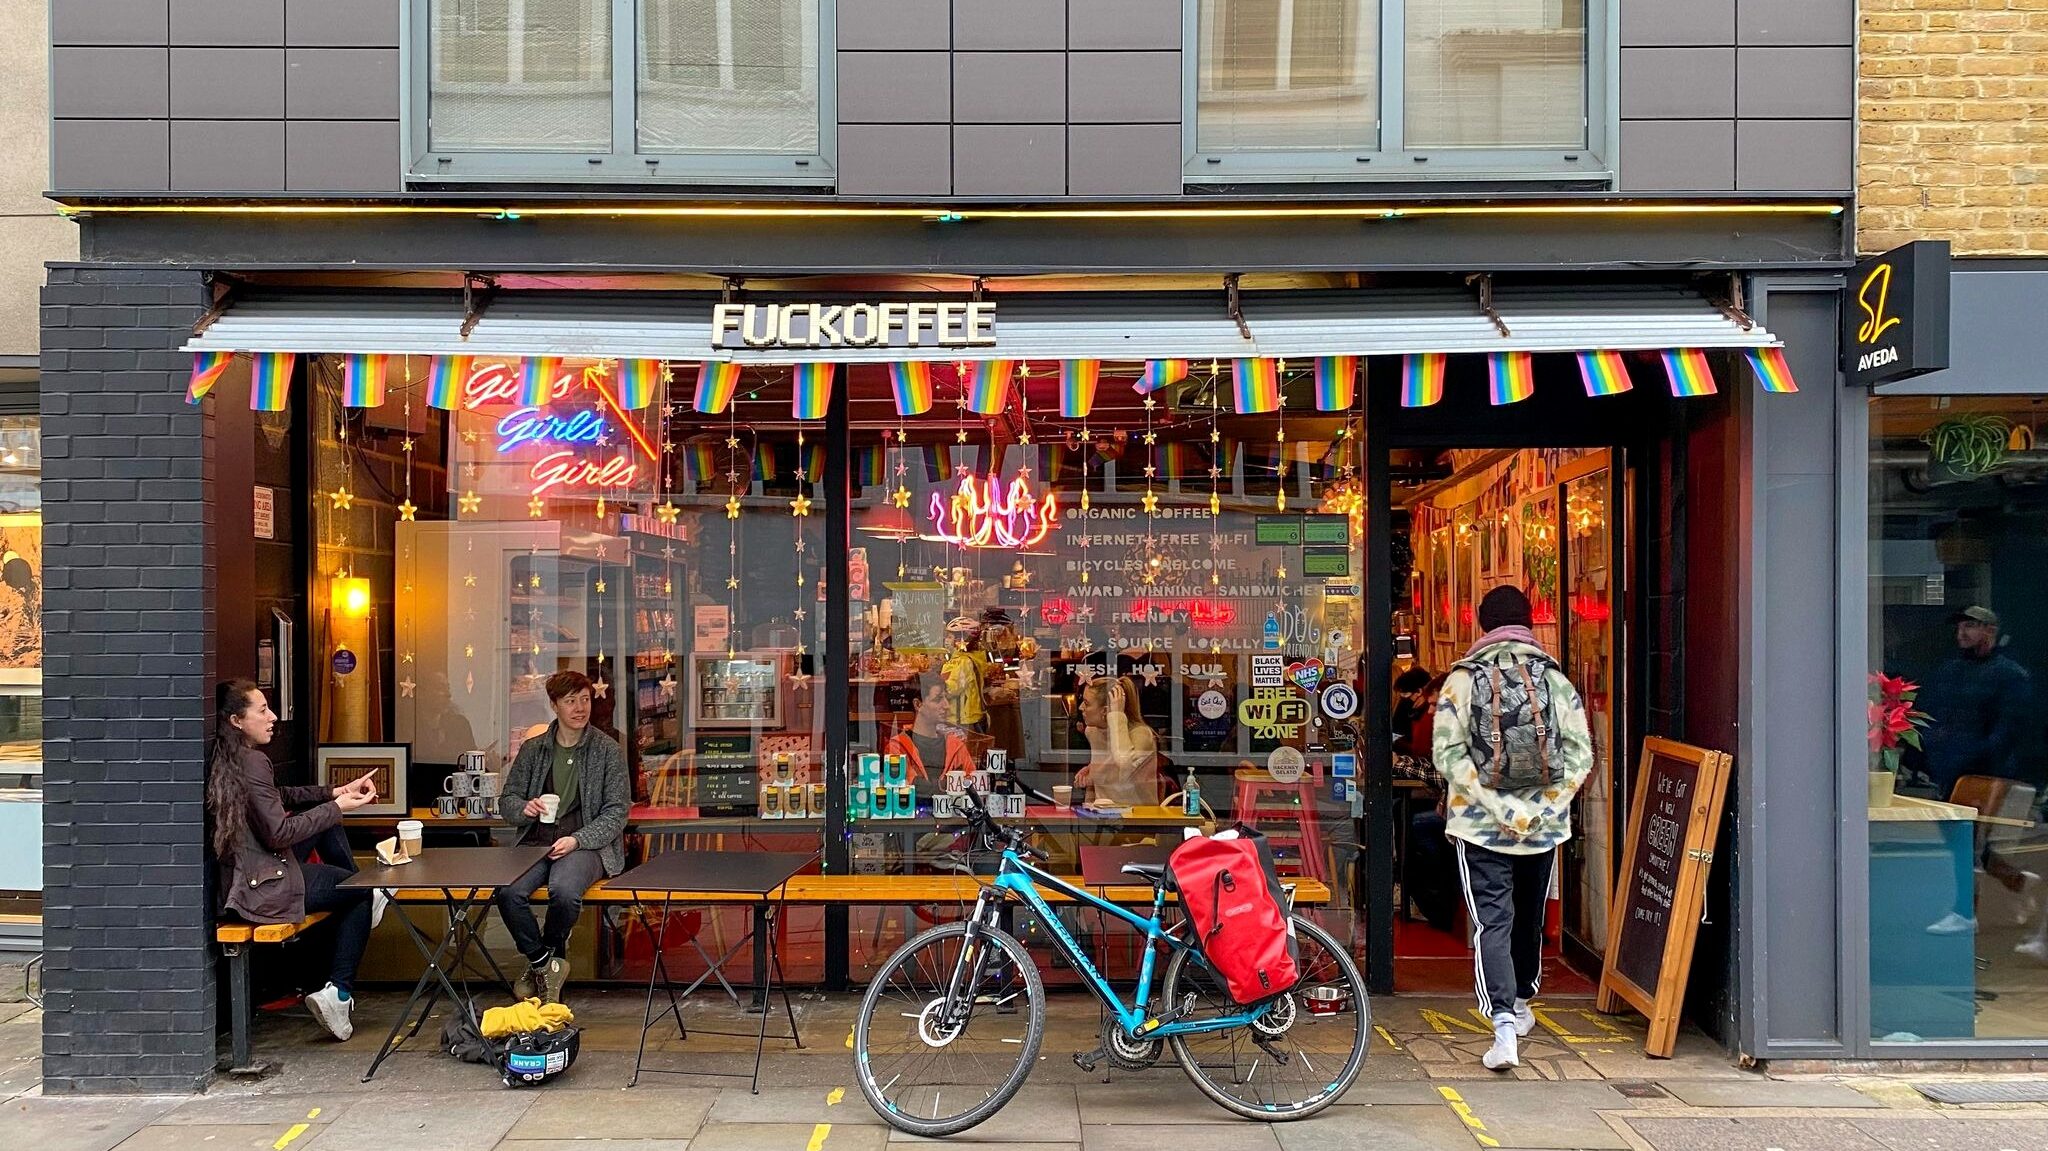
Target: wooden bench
pixel 235 939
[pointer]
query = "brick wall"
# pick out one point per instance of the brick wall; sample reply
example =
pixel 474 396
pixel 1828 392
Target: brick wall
pixel 128 620
pixel 1954 137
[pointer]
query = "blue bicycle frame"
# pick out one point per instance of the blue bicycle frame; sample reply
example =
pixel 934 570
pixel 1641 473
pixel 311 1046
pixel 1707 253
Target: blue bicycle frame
pixel 1019 878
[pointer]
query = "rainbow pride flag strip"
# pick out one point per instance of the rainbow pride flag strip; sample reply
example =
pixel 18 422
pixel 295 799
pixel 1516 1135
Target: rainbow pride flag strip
pixel 1422 379
pixel 716 382
pixel 871 465
pixel 1690 375
pixel 814 463
pixel 913 385
pixel 537 379
pixel 764 462
pixel 1605 373
pixel 1771 369
pixel 1510 376
pixel 639 382
pixel 1055 462
pixel 206 372
pixel 270 379
pixel 1077 387
pixel 1177 460
pixel 700 462
pixel 813 390
pixel 1256 385
pixel 988 386
pixel 445 377
pixel 1159 374
pixel 363 380
pixel 1336 383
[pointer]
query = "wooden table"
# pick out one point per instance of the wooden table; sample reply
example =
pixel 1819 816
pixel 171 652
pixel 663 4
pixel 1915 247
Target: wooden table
pixel 464 876
pixel 762 875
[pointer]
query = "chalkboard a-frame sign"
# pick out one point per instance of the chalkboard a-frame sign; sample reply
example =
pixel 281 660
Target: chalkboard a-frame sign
pixel 1655 911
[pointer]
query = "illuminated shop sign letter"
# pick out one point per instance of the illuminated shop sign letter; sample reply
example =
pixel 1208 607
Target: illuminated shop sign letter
pixel 888 324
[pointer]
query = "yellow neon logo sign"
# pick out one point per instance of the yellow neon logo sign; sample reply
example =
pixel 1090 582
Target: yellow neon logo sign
pixel 1877 322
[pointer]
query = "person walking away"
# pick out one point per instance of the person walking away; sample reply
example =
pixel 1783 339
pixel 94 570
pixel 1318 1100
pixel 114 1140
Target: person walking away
pixel 263 835
pixel 584 771
pixel 1512 745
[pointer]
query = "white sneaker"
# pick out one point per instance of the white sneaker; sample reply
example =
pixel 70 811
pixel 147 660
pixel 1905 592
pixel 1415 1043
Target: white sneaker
pixel 2034 949
pixel 379 900
pixel 1506 1051
pixel 1952 924
pixel 2027 900
pixel 333 1012
pixel 1525 1019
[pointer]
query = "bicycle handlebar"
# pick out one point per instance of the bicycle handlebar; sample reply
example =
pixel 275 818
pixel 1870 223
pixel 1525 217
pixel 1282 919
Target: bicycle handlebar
pixel 993 833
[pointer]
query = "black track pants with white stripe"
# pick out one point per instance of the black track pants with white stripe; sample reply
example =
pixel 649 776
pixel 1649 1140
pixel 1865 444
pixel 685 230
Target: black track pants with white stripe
pixel 1504 897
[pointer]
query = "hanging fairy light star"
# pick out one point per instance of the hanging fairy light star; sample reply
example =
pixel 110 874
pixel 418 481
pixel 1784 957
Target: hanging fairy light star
pixel 470 503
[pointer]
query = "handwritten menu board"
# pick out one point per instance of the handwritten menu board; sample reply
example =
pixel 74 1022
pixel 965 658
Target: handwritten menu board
pixel 917 616
pixel 1655 910
pixel 727 778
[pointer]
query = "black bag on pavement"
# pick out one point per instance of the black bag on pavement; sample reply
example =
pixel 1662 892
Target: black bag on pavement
pixel 534 1057
pixel 463 1038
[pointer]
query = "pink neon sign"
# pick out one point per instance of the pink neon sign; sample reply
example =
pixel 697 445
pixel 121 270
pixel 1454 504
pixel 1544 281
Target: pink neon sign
pixel 982 513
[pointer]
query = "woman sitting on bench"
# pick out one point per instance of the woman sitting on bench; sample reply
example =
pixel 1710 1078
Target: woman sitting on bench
pixel 262 844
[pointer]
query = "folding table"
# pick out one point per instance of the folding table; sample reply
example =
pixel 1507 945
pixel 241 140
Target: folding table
pixel 464 876
pixel 674 875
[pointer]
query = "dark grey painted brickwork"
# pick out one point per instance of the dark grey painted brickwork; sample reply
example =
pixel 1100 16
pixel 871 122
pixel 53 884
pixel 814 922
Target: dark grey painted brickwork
pixel 128 624
pixel 225 96
pixel 1738 95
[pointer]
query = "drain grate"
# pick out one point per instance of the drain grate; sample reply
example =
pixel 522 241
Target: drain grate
pixel 1638 1089
pixel 2008 1091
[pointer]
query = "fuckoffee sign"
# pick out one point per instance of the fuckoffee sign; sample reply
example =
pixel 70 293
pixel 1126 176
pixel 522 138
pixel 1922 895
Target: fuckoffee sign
pixel 884 324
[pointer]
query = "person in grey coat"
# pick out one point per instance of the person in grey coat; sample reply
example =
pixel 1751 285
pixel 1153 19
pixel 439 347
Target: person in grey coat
pixel 569 791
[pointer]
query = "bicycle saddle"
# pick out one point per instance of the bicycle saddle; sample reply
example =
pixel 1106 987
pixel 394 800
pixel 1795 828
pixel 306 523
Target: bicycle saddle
pixel 1154 872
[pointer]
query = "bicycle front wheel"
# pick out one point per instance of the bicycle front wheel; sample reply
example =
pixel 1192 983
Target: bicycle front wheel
pixel 932 1070
pixel 1295 1059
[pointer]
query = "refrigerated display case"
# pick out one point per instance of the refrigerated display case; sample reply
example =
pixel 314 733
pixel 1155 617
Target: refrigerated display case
pixel 742 692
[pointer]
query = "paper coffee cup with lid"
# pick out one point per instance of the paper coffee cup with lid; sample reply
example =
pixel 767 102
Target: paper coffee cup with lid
pixel 410 832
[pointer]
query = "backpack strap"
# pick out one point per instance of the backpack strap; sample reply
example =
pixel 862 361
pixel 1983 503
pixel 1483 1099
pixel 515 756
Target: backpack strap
pixel 1542 732
pixel 1498 737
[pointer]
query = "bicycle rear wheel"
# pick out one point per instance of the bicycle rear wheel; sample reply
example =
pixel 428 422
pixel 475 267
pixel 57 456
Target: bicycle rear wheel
pixel 930 1074
pixel 1298 1057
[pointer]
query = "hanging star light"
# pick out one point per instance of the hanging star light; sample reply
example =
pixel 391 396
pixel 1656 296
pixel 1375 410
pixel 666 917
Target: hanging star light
pixel 800 507
pixel 535 506
pixel 469 579
pixel 599 688
pixel 599 587
pixel 667 512
pixel 406 687
pixel 406 445
pixel 470 502
pixel 342 498
pixel 408 511
pixel 732 507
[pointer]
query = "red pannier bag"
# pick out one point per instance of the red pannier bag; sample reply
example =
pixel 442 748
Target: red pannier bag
pixel 1232 894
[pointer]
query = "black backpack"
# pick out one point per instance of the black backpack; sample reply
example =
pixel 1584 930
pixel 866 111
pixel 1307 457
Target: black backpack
pixel 1511 731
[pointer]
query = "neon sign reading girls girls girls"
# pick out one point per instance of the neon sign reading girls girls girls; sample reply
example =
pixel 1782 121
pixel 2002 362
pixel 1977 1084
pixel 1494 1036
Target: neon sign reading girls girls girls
pixel 564 447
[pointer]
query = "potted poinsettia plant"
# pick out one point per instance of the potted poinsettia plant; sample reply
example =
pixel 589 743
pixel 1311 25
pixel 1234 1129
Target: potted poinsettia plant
pixel 1894 726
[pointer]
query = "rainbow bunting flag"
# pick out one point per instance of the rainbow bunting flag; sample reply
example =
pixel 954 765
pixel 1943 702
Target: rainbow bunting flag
pixel 537 379
pixel 1422 379
pixel 913 384
pixel 1177 460
pixel 445 378
pixel 814 463
pixel 1511 376
pixel 813 390
pixel 1771 369
pixel 1159 374
pixel 1605 373
pixel 716 382
pixel 206 371
pixel 1257 385
pixel 1077 387
pixel 1336 383
pixel 988 386
pixel 764 462
pixel 639 381
pixel 1690 375
pixel 363 380
pixel 1054 462
pixel 871 465
pixel 700 461
pixel 269 380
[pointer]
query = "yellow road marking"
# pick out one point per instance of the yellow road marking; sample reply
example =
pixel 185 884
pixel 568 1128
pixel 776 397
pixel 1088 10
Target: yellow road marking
pixel 313 1114
pixel 1386 1035
pixel 285 1140
pixel 1442 1022
pixel 832 1099
pixel 818 1134
pixel 1472 1121
pixel 849 1039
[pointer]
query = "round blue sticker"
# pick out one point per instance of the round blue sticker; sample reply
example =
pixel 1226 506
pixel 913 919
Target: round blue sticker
pixel 344 661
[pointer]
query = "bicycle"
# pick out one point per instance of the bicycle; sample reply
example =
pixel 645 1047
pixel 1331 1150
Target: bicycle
pixel 952 1023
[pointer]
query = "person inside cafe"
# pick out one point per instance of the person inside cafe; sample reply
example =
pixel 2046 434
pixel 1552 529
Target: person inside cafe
pixel 265 837
pixel 1123 753
pixel 567 791
pixel 930 749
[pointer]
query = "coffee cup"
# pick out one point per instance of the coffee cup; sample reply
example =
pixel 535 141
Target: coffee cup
pixel 461 784
pixel 448 806
pixel 550 806
pixel 1062 795
pixel 477 807
pixel 409 834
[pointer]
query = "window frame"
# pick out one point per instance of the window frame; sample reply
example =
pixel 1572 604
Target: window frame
pixel 625 162
pixel 1391 161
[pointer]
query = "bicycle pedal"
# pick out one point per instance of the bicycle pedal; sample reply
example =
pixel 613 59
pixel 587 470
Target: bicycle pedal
pixel 1089 1061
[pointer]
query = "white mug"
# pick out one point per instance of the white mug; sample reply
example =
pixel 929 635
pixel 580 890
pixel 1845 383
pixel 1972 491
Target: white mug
pixel 478 807
pixel 472 761
pixel 461 784
pixel 448 807
pixel 488 784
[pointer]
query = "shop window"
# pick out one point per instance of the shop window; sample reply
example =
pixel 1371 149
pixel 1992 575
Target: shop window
pixel 620 90
pixel 21 664
pixel 1398 90
pixel 1956 714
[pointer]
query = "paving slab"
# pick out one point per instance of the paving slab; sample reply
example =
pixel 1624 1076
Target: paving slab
pixel 1037 1114
pixel 1955 1133
pixel 1542 1115
pixel 235 1107
pixel 1172 1101
pixel 20 1077
pixel 594 1145
pixel 1376 1094
pixel 213 1137
pixel 408 1121
pixel 10 1011
pixel 1752 1135
pixel 1392 1127
pixel 794 1105
pixel 22 1037
pixel 782 1137
pixel 1760 1092
pixel 1242 1135
pixel 78 1124
pixel 639 1113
